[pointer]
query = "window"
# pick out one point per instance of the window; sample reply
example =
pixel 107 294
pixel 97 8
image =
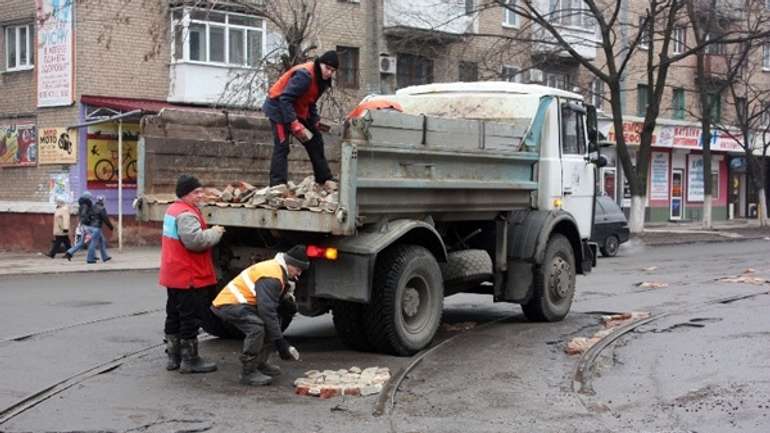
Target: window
pixel 469 71
pixel 715 48
pixel 679 39
pixel 347 74
pixel 644 30
pixel 741 110
pixel 766 57
pixel 715 183
pixel 511 73
pixel 571 13
pixel 642 99
pixel 19 47
pixel 510 19
pixel 597 93
pixel 217 37
pixel 558 80
pixel 677 104
pixel 469 7
pixel 714 101
pixel 413 70
pixel 573 137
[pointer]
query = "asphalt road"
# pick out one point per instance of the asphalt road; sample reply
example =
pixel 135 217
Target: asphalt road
pixel 700 368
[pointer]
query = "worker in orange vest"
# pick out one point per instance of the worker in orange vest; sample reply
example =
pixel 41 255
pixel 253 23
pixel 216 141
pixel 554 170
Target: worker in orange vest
pixel 250 302
pixel 291 108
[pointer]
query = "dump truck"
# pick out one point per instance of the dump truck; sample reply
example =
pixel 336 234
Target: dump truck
pixel 482 187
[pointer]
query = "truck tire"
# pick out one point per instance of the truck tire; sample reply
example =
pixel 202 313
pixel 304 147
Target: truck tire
pixel 466 269
pixel 348 320
pixel 610 247
pixel 554 283
pixel 407 300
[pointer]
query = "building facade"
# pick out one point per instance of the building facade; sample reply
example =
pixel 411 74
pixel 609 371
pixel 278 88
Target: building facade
pixel 76 77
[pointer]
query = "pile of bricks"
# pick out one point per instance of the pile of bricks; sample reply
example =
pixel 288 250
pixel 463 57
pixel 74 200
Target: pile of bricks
pixel 306 195
pixel 331 383
pixel 609 324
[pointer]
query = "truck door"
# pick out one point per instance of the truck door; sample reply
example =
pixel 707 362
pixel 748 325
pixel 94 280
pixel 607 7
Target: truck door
pixel 577 170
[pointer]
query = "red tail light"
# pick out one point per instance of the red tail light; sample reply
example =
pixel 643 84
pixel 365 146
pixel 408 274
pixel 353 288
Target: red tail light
pixel 315 252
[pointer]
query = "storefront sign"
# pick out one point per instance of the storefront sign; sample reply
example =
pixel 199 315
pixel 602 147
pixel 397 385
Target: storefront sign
pixel 18 145
pixel 54 53
pixel 57 146
pixel 695 178
pixel 677 137
pixel 659 176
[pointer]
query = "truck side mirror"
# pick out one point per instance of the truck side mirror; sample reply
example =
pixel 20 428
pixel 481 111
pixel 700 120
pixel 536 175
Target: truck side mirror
pixel 600 161
pixel 591 128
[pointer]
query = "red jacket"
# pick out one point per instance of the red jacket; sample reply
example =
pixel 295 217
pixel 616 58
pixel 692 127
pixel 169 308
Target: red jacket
pixel 303 103
pixel 181 268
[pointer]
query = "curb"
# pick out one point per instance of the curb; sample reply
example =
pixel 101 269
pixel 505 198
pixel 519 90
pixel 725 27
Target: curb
pixel 75 271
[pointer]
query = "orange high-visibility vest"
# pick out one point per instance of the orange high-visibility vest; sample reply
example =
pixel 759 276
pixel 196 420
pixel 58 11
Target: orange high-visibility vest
pixel 303 103
pixel 241 289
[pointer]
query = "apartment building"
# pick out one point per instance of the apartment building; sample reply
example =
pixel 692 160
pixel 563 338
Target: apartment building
pixel 76 77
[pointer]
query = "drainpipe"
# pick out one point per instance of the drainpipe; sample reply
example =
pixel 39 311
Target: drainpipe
pixel 373 30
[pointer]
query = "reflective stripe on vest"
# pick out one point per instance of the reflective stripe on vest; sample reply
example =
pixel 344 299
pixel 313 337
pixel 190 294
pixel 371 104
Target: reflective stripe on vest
pixel 181 268
pixel 241 289
pixel 303 102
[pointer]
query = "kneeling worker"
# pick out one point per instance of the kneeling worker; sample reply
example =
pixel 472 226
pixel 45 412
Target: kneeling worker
pixel 250 303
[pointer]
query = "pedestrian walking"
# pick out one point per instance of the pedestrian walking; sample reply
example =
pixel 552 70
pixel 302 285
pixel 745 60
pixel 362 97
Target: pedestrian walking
pixel 187 273
pixel 250 302
pixel 61 228
pixel 291 108
pixel 85 214
pixel 98 219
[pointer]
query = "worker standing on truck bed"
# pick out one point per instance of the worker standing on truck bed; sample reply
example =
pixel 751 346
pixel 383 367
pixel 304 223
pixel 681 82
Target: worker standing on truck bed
pixel 250 302
pixel 291 108
pixel 187 272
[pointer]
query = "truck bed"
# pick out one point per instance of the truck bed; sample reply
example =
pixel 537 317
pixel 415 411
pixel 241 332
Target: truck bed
pixel 389 165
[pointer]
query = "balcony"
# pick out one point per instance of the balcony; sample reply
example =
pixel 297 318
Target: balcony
pixel 583 40
pixel 438 21
pixel 207 84
pixel 715 67
pixel 729 10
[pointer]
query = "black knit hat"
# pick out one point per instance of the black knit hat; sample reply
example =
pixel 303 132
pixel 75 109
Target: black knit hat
pixel 330 58
pixel 297 257
pixel 186 184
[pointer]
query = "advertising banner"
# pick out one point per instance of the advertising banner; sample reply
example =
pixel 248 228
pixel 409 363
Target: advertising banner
pixel 57 146
pixel 659 176
pixel 59 188
pixel 103 155
pixel 54 53
pixel 695 178
pixel 18 145
pixel 677 137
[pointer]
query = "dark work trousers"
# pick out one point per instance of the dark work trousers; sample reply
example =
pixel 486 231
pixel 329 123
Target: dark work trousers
pixel 244 317
pixel 186 311
pixel 279 165
pixel 58 242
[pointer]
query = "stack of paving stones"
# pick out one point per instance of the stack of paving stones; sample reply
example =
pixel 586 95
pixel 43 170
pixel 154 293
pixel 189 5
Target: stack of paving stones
pixel 331 383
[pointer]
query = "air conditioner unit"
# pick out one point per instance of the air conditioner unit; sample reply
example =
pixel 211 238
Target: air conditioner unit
pixel 535 76
pixel 387 65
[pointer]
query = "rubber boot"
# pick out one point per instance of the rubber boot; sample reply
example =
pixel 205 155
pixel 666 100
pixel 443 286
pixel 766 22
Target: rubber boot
pixel 265 366
pixel 191 362
pixel 250 374
pixel 173 352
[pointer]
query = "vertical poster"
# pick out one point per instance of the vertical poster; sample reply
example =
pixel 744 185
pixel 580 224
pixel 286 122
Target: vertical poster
pixel 57 146
pixel 54 53
pixel 102 151
pixel 18 145
pixel 659 176
pixel 59 188
pixel 695 178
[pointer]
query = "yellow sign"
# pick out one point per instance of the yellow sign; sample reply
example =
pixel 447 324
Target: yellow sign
pixel 57 146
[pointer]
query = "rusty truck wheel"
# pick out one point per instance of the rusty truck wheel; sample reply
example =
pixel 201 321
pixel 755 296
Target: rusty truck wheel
pixel 407 300
pixel 554 285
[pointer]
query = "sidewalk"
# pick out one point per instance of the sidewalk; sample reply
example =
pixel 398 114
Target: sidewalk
pixel 137 258
pixel 133 258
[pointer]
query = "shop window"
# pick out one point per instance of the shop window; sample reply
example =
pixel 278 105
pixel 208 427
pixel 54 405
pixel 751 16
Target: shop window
pixel 677 104
pixel 715 183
